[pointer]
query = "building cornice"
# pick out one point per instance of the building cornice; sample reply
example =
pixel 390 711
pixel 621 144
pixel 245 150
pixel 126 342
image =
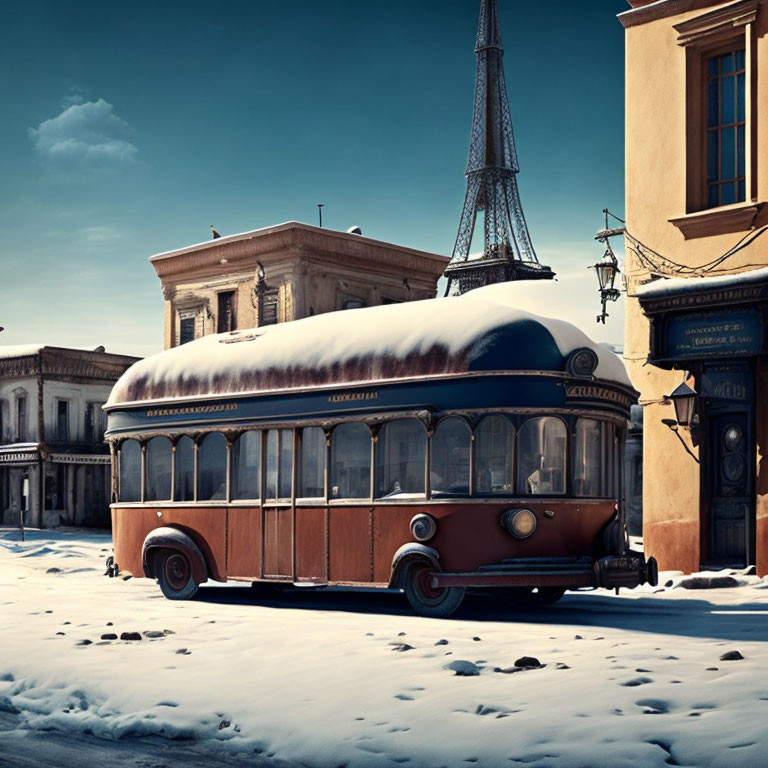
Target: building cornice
pixel 643 11
pixel 291 237
pixel 67 364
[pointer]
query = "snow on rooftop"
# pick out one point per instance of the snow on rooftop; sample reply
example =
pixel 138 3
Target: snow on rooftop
pixel 10 351
pixel 673 285
pixel 482 330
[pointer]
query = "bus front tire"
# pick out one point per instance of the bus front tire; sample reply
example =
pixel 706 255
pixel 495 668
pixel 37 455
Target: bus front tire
pixel 174 574
pixel 427 600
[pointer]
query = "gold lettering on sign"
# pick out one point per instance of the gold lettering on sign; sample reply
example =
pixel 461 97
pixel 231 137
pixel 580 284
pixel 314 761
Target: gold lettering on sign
pixel 192 409
pixel 585 391
pixel 349 396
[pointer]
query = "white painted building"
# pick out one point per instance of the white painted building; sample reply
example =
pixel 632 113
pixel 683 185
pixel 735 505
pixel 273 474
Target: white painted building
pixel 54 465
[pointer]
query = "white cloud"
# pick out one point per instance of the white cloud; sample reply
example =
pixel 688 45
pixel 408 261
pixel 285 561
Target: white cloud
pixel 88 132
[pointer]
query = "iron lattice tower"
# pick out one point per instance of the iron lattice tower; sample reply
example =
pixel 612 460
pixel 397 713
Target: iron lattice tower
pixel 491 178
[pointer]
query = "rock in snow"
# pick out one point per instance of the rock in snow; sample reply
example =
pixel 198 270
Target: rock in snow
pixel 709 582
pixel 463 668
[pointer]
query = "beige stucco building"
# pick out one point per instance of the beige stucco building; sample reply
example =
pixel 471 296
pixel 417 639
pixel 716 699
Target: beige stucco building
pixel 696 192
pixel 283 273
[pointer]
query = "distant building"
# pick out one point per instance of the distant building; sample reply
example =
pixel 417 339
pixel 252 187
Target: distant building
pixel 283 273
pixel 697 229
pixel 54 465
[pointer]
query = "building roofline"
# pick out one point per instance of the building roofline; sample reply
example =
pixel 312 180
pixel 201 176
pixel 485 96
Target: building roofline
pixel 643 11
pixel 222 243
pixel 33 350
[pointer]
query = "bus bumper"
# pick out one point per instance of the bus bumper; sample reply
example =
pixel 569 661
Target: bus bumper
pixel 629 570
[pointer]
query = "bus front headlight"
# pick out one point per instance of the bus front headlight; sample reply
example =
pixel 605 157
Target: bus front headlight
pixel 521 523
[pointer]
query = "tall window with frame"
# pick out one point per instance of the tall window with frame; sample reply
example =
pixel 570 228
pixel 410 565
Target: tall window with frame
pixel 726 128
pixel 21 418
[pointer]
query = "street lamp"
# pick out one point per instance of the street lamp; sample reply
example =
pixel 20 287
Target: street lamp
pixel 607 268
pixel 684 400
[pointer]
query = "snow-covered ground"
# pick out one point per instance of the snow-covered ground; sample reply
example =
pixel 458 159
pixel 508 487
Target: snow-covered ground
pixel 331 678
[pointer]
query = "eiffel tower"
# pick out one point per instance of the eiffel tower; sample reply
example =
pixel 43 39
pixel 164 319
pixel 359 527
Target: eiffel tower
pixel 491 179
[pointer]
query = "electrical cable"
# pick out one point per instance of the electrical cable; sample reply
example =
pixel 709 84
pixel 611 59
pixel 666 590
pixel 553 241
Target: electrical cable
pixel 663 265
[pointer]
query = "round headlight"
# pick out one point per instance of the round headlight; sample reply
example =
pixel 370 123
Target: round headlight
pixel 521 523
pixel 423 527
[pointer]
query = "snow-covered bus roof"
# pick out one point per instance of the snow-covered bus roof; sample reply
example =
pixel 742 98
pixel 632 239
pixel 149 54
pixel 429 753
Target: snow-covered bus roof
pixel 480 331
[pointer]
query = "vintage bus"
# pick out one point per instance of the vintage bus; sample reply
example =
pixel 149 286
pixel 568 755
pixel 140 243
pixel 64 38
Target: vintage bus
pixel 431 446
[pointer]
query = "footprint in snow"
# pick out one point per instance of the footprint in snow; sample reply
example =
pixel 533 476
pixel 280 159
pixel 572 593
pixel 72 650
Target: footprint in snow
pixel 404 697
pixel 167 704
pixel 655 706
pixel 635 681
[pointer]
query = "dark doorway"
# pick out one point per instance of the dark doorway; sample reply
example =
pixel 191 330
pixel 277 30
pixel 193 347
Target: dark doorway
pixel 227 317
pixel 730 472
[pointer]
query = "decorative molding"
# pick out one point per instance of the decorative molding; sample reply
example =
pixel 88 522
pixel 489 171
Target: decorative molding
pixel 718 221
pixel 642 13
pixel 716 25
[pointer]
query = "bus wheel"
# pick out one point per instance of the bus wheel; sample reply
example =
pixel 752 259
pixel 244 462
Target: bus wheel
pixel 425 599
pixel 174 574
pixel 545 595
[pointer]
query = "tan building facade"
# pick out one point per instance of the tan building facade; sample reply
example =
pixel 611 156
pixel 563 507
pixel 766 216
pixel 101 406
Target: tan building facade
pixel 696 193
pixel 282 273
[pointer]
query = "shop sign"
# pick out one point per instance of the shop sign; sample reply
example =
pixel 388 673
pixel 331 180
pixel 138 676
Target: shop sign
pixel 727 382
pixel 713 334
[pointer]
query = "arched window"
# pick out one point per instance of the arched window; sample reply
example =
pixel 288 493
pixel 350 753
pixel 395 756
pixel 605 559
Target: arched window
pixel 279 463
pixel 212 468
pixel 450 458
pixel 246 466
pixel 400 455
pixel 130 471
pixel 494 456
pixel 158 462
pixel 541 457
pixel 312 477
pixel 184 484
pixel 594 455
pixel 351 462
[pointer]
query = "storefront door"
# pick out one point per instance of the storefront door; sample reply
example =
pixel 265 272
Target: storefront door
pixel 730 479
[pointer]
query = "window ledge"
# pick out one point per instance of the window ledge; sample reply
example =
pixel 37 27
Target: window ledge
pixel 718 221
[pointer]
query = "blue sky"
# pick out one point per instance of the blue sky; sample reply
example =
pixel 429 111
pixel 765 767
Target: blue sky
pixel 129 127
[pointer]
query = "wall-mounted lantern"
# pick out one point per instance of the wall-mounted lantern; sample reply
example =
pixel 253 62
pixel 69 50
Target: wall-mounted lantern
pixel 684 400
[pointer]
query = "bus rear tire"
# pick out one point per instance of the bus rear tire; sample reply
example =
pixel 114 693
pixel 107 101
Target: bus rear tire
pixel 174 574
pixel 426 600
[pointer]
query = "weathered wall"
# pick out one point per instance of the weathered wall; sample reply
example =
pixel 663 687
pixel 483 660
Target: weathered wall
pixel 657 110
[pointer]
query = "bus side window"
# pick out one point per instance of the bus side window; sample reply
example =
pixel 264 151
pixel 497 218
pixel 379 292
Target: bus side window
pixel 541 459
pixel 400 455
pixel 450 458
pixel 494 456
pixel 158 470
pixel 212 468
pixel 351 462
pixel 184 485
pixel 594 458
pixel 279 463
pixel 246 466
pixel 130 471
pixel 312 483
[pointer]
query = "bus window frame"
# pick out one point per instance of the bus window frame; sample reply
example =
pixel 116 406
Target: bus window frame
pixel 431 431
pixel 567 491
pixel 472 418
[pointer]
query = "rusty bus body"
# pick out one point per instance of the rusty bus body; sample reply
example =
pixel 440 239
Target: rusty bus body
pixel 490 461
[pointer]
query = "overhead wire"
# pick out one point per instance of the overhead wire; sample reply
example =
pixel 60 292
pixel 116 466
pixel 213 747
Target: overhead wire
pixel 657 263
